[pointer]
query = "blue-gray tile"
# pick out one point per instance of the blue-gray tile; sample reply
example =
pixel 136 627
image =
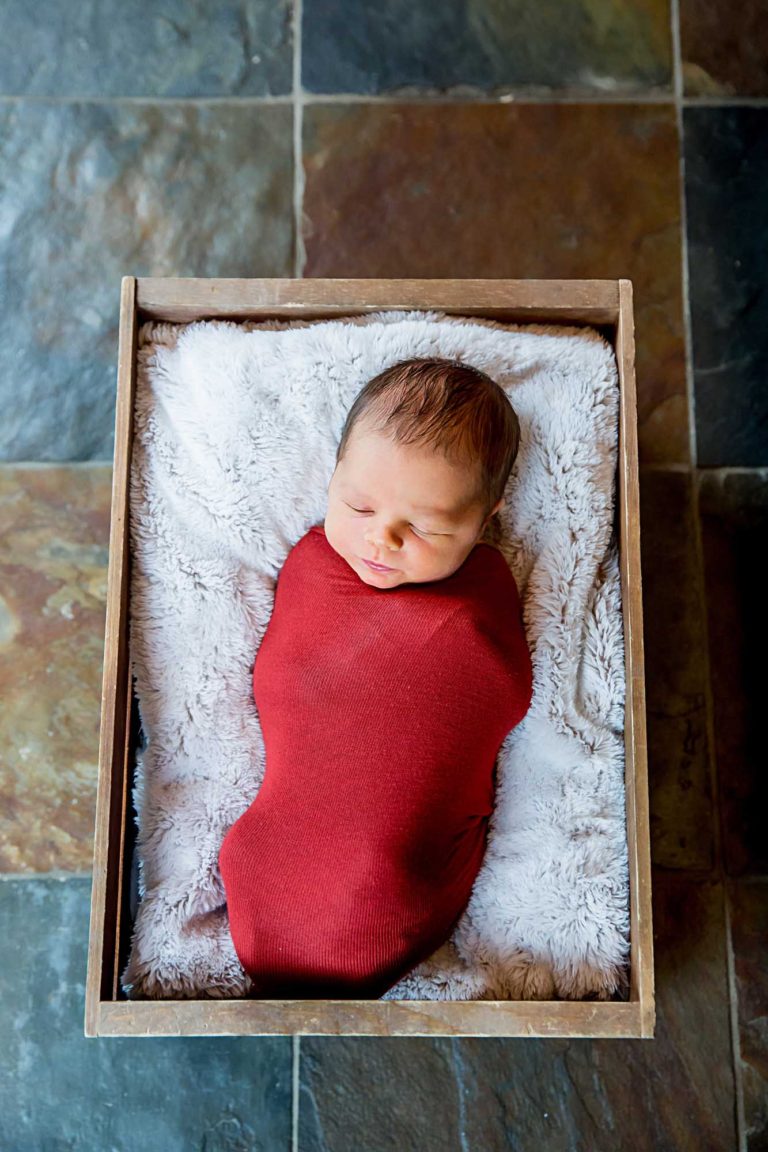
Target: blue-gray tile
pixel 726 172
pixel 675 1092
pixel 93 192
pixel 486 45
pixel 60 1090
pixel 130 48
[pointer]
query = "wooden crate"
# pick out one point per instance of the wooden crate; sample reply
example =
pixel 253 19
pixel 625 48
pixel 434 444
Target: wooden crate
pixel 603 304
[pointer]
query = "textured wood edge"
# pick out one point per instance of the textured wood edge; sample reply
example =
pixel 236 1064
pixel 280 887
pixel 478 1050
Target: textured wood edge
pixel 110 791
pixel 546 301
pixel 635 736
pixel 586 1019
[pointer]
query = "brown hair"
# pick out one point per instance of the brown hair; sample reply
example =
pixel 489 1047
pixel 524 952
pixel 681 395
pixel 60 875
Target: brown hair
pixel 451 406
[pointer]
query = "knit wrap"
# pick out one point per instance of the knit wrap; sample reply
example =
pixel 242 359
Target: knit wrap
pixel 383 712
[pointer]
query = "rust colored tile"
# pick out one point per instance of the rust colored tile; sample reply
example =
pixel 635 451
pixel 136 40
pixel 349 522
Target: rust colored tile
pixel 54 541
pixel 527 191
pixel 682 814
pixel 724 49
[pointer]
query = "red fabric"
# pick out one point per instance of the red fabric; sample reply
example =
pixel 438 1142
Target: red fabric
pixel 382 711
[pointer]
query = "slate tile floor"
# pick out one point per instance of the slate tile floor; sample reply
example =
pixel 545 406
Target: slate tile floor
pixel 331 138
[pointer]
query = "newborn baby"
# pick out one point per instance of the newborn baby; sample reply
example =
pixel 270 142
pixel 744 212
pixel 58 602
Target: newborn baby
pixel 393 666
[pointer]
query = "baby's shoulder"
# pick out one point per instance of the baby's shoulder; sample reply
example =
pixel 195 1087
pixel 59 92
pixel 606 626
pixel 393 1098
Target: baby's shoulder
pixel 490 576
pixel 310 543
pixel 490 556
pixel 313 537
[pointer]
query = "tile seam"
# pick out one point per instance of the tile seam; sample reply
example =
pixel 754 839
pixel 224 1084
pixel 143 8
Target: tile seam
pixel 733 1003
pixel 665 99
pixel 55 874
pixel 684 271
pixel 299 253
pixel 295 1068
pixel 718 824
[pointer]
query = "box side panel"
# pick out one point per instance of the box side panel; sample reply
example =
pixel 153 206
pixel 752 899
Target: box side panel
pixel 509 301
pixel 371 1018
pixel 114 734
pixel 636 746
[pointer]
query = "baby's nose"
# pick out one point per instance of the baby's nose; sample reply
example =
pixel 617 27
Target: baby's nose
pixel 383 538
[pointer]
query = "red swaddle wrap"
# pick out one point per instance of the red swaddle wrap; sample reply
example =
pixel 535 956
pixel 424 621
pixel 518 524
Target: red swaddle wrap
pixel 382 712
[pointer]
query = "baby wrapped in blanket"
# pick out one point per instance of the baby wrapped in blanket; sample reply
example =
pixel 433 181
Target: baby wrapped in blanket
pixel 393 666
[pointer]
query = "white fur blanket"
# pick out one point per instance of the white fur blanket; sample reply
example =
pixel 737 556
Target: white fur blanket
pixel 236 427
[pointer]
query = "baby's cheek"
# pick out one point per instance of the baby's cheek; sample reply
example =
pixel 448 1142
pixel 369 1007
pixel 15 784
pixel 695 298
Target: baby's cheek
pixel 331 534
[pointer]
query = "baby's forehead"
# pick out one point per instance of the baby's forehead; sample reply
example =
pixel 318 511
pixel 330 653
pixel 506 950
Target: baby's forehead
pixel 371 467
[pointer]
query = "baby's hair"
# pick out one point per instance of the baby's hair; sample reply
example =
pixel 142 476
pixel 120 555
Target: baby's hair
pixel 448 405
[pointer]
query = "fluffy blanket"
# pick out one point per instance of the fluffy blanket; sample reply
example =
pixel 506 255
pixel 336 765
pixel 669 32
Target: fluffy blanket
pixel 236 426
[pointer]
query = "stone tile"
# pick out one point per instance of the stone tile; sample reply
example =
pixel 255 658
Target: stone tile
pixel 673 1092
pixel 92 192
pixel 527 191
pixel 749 932
pixel 54 549
pixel 60 1090
pixel 485 47
pixel 733 507
pixel 726 171
pixel 682 814
pixel 723 56
pixel 129 48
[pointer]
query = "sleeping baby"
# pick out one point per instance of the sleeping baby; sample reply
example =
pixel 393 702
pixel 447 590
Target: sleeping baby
pixel 393 666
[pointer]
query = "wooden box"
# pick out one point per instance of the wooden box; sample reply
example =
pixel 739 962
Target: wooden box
pixel 603 304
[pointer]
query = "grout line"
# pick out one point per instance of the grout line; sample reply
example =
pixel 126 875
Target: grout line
pixel 709 709
pixel 295 1093
pixel 56 464
pixel 415 97
pixel 720 471
pixel 718 819
pixel 54 874
pixel 480 96
pixel 733 998
pixel 300 254
pixel 427 96
pixel 685 278
pixel 727 102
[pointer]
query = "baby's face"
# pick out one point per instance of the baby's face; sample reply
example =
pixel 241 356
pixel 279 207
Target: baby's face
pixel 402 506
